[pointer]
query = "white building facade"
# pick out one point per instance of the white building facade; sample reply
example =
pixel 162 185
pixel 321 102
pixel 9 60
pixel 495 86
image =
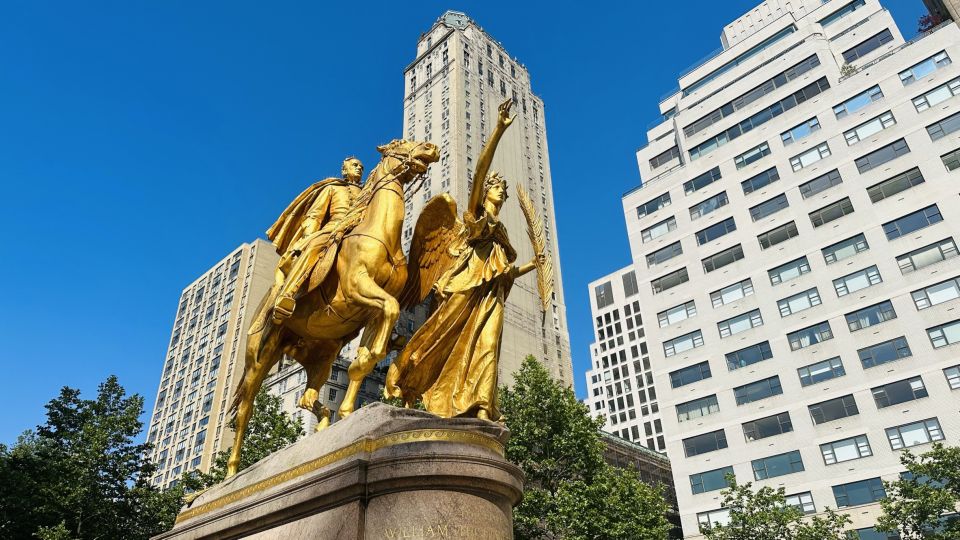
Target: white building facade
pixel 795 237
pixel 204 360
pixel 452 90
pixel 620 382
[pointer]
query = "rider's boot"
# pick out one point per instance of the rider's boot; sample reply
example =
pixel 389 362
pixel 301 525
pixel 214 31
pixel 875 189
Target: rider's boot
pixel 283 308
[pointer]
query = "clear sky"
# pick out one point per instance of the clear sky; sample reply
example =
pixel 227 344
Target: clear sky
pixel 140 144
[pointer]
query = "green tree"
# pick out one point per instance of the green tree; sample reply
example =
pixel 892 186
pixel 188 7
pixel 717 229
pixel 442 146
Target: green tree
pixel 916 503
pixel 765 515
pixel 570 492
pixel 80 475
pixel 269 430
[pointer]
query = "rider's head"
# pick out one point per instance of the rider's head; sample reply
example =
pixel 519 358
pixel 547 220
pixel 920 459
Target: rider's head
pixel 352 170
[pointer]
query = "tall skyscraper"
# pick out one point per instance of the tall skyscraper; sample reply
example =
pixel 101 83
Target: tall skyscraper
pixel 620 382
pixel 189 424
pixel 795 240
pixel 452 90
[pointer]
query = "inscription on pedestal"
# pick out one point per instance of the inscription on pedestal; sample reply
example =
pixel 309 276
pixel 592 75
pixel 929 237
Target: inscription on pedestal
pixel 442 530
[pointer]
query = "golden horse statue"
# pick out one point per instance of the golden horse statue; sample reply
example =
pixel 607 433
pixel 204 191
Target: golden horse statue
pixel 353 288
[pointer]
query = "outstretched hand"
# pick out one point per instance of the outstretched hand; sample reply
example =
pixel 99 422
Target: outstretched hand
pixel 504 118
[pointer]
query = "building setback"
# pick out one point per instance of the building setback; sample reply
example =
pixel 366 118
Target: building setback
pixel 204 359
pixel 620 381
pixel 452 90
pixel 795 241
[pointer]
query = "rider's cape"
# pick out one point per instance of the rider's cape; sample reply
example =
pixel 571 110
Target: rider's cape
pixel 286 230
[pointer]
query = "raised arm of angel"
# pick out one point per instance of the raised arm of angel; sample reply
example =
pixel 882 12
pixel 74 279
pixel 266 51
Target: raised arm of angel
pixel 486 157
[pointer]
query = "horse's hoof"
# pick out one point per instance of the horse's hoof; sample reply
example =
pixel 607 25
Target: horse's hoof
pixel 322 424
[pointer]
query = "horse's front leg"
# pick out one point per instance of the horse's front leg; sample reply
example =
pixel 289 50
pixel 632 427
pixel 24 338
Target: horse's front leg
pixel 373 344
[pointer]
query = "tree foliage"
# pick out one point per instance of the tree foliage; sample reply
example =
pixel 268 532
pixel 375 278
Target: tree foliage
pixel 916 503
pixel 570 492
pixel 929 22
pixel 80 476
pixel 269 430
pixel 765 515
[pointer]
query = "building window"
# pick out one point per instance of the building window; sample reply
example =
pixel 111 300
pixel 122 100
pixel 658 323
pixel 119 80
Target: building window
pixel 800 131
pixel 653 205
pixel 927 255
pixel 820 184
pixel 710 480
pixel 914 434
pixel 944 334
pixel 749 356
pixel 887 351
pixel 788 271
pixel 697 408
pixel 750 156
pixel 892 186
pixel 951 160
pixel 937 96
pixel 630 286
pixel 723 258
pixel 912 222
pixel 702 181
pixel 690 374
pixel 757 390
pixel 677 314
pixel 803 501
pixel 664 157
pixel 604 295
pixel 664 254
pixel 845 249
pixel 831 212
pixel 778 235
pixel 702 444
pixel 743 57
pixel 769 207
pixel 833 409
pixel 953 377
pixel 846 450
pixel 870 127
pixel 779 465
pixel 899 392
pixel 811 335
pixel 858 102
pixel 809 157
pixel 821 371
pixel 731 293
pixel 740 323
pixel 659 229
pixel 767 427
pixel 867 46
pixel 683 343
pixel 917 71
pixel 715 231
pixel 857 281
pixel 842 12
pixel 941 129
pixel 669 281
pixel 699 210
pixel 882 155
pixel 857 493
pixel 713 518
pixel 799 302
pixel 870 316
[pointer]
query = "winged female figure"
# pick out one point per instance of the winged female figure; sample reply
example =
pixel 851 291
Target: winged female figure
pixel 451 361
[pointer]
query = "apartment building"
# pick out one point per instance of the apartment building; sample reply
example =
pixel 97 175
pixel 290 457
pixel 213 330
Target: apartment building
pixel 794 239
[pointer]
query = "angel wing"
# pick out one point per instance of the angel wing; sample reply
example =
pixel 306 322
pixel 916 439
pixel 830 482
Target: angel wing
pixel 437 228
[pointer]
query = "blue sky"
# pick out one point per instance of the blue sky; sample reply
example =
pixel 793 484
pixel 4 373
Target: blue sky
pixel 140 143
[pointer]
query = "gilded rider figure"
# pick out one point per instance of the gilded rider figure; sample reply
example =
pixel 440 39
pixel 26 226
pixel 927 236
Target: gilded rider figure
pixel 301 232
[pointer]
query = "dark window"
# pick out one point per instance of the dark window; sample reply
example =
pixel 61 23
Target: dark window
pixel 669 281
pixel 842 12
pixel 754 154
pixel 912 222
pixel 710 480
pixel 604 295
pixel 821 371
pixel 899 392
pixel 653 205
pixel 765 178
pixel 820 184
pixel 831 212
pixel 749 355
pixel 778 235
pixel 702 180
pixel 758 390
pixel 690 374
pixel 857 493
pixel 767 427
pixel 867 46
pixel 725 257
pixel 833 409
pixel 884 352
pixel 944 127
pixel 892 186
pixel 870 316
pixel 665 157
pixel 882 155
pixel 769 207
pixel 664 254
pixel 630 286
pixel 779 465
pixel 708 442
pixel 716 231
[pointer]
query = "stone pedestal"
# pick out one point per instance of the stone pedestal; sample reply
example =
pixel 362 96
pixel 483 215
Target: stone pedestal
pixel 383 473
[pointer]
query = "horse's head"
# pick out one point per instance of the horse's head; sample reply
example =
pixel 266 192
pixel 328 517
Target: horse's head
pixel 416 155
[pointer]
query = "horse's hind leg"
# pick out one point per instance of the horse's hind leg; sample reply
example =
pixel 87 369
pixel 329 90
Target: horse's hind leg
pixel 317 360
pixel 263 351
